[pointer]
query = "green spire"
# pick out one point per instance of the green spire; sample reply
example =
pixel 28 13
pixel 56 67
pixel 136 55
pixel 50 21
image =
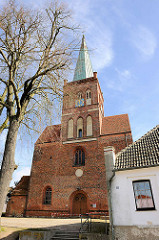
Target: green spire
pixel 83 67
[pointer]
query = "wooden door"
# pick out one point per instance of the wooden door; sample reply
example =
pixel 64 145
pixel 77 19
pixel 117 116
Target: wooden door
pixel 79 204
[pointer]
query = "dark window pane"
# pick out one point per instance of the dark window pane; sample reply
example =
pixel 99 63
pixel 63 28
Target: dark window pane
pixel 80 133
pixel 48 195
pixel 79 157
pixel 83 158
pixel 76 158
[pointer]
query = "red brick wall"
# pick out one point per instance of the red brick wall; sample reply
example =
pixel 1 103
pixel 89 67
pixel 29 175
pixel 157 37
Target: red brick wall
pixel 16 206
pixel 59 173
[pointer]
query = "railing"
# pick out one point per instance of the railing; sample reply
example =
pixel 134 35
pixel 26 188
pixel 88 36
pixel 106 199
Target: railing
pixel 87 221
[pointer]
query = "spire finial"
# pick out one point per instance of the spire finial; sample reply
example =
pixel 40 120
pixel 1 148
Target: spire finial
pixel 83 67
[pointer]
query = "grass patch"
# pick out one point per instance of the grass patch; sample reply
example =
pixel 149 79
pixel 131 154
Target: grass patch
pixel 2 229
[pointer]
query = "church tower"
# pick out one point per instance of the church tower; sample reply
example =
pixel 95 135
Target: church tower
pixel 83 108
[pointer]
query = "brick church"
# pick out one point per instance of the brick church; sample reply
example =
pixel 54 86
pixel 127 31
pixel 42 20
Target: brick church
pixel 68 170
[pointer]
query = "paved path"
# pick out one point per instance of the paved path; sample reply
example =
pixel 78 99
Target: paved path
pixel 36 222
pixel 13 225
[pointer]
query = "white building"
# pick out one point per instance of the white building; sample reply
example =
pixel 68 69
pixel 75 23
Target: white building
pixel 134 189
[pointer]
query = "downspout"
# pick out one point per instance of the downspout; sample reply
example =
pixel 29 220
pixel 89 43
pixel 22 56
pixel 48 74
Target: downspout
pixel 109 156
pixel 110 207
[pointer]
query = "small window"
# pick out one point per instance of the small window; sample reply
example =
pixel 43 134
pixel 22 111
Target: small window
pixel 80 133
pixel 79 95
pixel 48 196
pixel 79 158
pixel 88 97
pixel 88 94
pixel 143 195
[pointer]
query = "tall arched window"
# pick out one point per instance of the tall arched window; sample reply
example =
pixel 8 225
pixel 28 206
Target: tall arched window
pixel 80 127
pixel 88 97
pixel 89 126
pixel 79 157
pixel 47 196
pixel 79 95
pixel 70 128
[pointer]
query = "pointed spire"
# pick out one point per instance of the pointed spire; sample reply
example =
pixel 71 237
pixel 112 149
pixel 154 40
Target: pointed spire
pixel 83 67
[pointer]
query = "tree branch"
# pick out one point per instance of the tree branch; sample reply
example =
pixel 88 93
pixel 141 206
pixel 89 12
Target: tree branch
pixel 4 57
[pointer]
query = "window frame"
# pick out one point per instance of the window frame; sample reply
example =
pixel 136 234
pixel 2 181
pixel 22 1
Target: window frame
pixel 80 133
pixel 88 94
pixel 45 196
pixel 79 95
pixel 149 189
pixel 79 157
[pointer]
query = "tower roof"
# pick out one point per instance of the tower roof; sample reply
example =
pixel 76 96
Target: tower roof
pixel 83 67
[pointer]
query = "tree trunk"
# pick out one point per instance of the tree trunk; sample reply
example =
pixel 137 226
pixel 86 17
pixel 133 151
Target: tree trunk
pixel 8 164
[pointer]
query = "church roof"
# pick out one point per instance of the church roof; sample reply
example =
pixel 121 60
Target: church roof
pixel 142 153
pixel 83 68
pixel 115 124
pixel 50 134
pixel 22 186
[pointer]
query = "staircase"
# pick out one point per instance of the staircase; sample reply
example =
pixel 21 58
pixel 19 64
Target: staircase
pixel 65 234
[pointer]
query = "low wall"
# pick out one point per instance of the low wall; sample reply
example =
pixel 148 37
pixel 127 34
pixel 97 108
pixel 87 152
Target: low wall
pixel 34 235
pixel 136 232
pixel 94 236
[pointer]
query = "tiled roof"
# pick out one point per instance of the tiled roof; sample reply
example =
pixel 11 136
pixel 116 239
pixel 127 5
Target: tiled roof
pixel 115 124
pixel 22 186
pixel 50 134
pixel 142 153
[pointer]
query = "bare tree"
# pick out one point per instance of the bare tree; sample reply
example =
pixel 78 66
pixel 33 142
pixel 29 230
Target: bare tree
pixel 35 54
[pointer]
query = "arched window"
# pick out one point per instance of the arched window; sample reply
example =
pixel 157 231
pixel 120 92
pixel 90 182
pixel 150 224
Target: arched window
pixel 48 196
pixel 70 128
pixel 79 95
pixel 89 126
pixel 80 127
pixel 79 158
pixel 88 97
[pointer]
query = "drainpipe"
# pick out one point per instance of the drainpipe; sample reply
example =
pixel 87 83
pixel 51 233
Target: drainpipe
pixel 109 156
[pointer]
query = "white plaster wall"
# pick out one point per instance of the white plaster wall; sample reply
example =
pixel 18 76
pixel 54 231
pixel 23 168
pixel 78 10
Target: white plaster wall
pixel 123 201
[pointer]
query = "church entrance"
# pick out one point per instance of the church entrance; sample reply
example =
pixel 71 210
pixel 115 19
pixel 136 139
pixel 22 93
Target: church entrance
pixel 79 204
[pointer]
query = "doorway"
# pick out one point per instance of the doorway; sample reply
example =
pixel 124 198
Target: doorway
pixel 79 204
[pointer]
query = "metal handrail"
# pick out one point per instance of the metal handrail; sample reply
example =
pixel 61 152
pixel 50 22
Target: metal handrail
pixel 88 217
pixel 86 221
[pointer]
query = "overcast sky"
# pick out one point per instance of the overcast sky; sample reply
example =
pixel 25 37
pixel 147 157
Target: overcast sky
pixel 122 36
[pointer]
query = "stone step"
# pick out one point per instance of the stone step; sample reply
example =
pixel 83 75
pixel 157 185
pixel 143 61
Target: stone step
pixel 66 235
pixel 64 238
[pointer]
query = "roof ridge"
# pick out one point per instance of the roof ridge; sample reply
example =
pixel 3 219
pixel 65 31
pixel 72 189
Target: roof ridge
pixel 115 115
pixel 53 125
